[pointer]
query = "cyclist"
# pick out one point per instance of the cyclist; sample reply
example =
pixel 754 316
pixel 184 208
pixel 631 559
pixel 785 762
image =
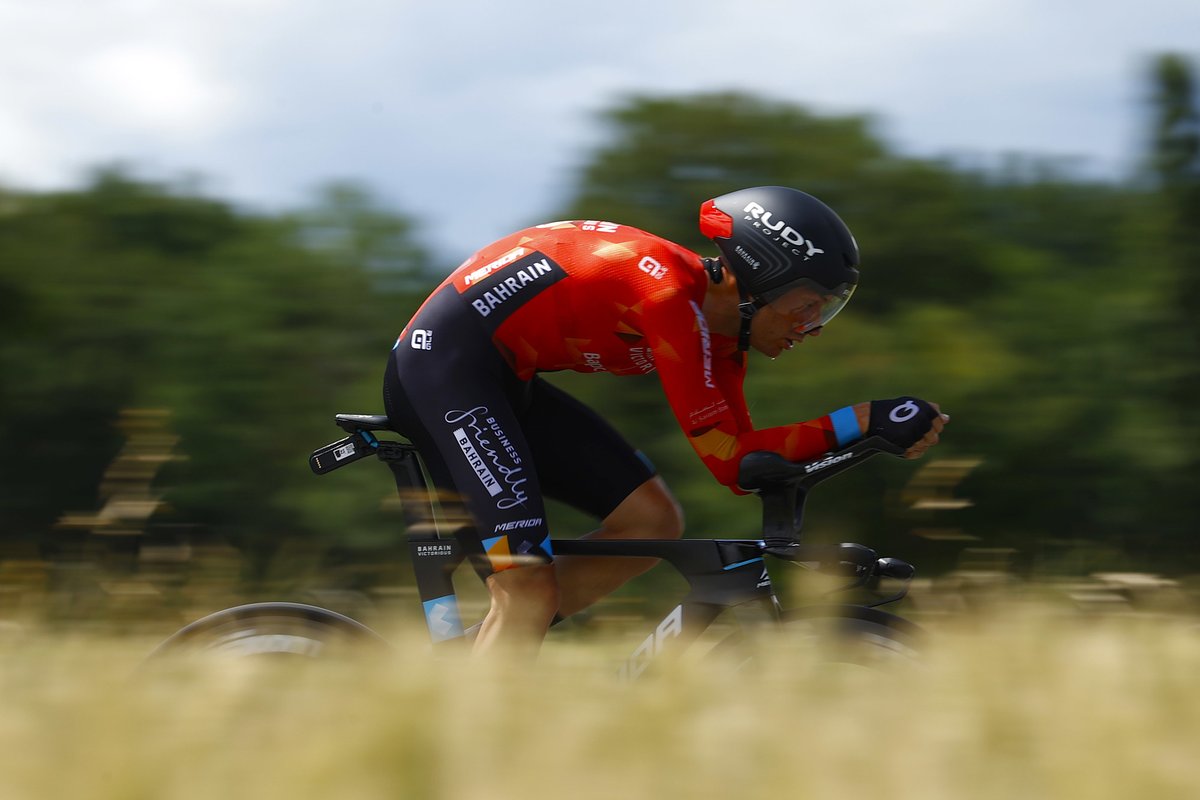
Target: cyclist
pixel 595 296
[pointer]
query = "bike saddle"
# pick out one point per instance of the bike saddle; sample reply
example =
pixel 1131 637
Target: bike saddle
pixel 353 423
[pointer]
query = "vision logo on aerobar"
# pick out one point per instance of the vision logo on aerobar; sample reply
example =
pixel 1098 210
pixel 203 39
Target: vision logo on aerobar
pixel 498 295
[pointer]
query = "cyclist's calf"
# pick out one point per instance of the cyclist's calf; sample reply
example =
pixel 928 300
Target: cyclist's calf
pixel 525 599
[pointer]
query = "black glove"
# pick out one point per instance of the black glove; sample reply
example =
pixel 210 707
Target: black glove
pixel 901 420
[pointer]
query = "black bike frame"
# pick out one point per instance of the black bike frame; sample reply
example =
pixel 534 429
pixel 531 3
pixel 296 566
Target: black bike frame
pixel 721 573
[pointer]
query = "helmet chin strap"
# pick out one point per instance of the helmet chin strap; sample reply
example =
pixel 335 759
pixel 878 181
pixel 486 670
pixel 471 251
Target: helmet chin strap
pixel 747 305
pixel 747 308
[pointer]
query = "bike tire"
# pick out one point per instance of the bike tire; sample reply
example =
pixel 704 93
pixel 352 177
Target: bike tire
pixel 859 635
pixel 292 630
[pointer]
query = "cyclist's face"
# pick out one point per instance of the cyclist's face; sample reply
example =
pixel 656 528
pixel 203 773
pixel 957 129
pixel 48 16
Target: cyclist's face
pixel 778 326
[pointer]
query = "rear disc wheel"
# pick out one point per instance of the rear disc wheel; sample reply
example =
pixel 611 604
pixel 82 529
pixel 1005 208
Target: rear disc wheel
pixel 291 630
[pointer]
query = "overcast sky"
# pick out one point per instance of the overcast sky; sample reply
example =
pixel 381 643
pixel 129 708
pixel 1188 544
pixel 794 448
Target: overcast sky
pixel 471 115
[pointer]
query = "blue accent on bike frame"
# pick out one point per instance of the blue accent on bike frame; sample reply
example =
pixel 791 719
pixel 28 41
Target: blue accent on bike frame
pixel 742 563
pixel 371 440
pixel 546 546
pixel 442 618
pixel 487 543
pixel 845 426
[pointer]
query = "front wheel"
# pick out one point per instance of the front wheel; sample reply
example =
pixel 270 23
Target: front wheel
pixel 828 635
pixel 273 629
pixel 852 634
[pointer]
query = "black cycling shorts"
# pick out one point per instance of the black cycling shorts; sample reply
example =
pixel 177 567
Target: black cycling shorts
pixel 497 443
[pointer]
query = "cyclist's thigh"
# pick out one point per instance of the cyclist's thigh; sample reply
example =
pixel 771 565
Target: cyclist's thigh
pixel 455 401
pixel 581 459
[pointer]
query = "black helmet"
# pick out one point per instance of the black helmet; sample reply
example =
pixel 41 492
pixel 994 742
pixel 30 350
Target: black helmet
pixel 775 238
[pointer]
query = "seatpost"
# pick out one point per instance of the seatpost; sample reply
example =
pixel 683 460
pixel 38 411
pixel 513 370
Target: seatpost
pixel 415 503
pixel 434 557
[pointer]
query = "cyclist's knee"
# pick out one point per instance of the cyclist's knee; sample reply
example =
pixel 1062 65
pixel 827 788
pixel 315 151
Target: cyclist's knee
pixel 650 511
pixel 529 588
pixel 668 514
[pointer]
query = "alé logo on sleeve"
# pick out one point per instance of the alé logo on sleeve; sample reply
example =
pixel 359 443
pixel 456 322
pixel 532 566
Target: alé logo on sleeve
pixel 421 339
pixel 651 267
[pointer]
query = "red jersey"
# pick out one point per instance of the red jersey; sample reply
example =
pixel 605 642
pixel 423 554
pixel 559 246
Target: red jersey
pixel 595 296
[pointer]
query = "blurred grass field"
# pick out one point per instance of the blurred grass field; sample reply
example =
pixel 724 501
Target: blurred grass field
pixel 1040 706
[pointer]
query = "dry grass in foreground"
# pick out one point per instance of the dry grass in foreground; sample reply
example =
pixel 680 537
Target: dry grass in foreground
pixel 1098 708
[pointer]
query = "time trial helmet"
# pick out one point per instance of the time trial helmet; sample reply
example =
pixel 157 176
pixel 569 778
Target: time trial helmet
pixel 774 239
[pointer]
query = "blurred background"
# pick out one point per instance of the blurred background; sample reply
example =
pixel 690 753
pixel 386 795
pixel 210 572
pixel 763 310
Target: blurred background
pixel 215 218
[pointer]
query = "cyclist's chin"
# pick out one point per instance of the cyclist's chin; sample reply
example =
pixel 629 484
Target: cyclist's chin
pixel 770 349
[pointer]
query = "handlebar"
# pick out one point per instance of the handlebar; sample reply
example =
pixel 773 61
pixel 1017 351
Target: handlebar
pixel 783 485
pixel 763 470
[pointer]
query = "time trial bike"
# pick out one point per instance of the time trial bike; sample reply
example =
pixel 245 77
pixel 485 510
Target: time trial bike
pixel 723 575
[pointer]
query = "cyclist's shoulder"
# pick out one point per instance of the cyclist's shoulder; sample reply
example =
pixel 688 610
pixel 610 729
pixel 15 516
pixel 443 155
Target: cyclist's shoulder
pixel 597 254
pixel 596 237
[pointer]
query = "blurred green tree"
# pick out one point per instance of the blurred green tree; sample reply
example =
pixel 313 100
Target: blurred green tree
pixel 251 330
pixel 1175 163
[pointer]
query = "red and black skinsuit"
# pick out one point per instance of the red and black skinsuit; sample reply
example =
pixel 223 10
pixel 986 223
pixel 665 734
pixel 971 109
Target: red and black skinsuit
pixel 588 296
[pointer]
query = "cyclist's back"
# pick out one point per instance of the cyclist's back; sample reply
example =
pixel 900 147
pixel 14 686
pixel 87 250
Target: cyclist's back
pixel 578 295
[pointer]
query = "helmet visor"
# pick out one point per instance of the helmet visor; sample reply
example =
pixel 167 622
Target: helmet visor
pixel 809 304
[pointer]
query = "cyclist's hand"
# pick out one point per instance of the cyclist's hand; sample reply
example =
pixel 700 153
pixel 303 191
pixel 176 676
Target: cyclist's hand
pixel 905 421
